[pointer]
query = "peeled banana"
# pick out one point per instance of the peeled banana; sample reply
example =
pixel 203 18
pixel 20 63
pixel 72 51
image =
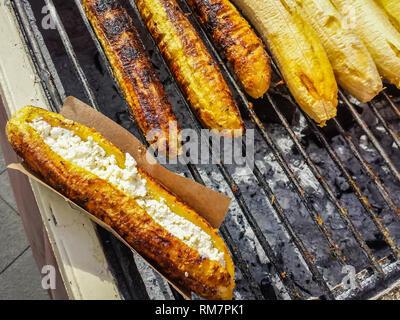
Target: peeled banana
pixel 352 64
pixel 381 38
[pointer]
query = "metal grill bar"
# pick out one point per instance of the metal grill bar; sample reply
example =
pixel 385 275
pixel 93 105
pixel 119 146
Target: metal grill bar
pixel 293 234
pixel 292 178
pixel 240 263
pixel 133 286
pixel 371 136
pixel 259 234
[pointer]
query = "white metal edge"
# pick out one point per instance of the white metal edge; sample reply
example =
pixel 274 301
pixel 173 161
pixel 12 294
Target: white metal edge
pixel 76 246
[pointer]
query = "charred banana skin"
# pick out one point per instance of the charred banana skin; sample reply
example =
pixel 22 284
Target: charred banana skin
pixel 169 254
pixel 243 49
pixel 133 70
pixel 195 71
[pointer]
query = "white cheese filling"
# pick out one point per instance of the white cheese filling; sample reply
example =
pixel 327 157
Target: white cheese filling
pixel 90 156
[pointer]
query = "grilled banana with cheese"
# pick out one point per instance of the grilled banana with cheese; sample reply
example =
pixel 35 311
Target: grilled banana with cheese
pixel 299 54
pixel 195 71
pixel 133 69
pixel 352 64
pixel 392 9
pixel 240 44
pixel 380 37
pixel 82 165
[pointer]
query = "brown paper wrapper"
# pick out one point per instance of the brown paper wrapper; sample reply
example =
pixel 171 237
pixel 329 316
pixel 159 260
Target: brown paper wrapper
pixel 195 195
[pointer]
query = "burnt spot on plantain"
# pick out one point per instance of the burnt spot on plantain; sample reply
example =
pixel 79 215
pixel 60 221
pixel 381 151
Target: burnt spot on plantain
pixel 129 54
pixel 115 26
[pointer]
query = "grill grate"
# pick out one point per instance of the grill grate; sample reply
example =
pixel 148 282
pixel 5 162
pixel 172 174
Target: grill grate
pixel 273 281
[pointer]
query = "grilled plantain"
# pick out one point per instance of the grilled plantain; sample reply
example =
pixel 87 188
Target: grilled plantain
pixel 352 64
pixel 392 9
pixel 299 54
pixel 132 67
pixel 379 36
pixel 241 46
pixel 82 165
pixel 195 71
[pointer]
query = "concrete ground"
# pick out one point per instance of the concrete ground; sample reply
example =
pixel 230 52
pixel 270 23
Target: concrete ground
pixel 19 275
